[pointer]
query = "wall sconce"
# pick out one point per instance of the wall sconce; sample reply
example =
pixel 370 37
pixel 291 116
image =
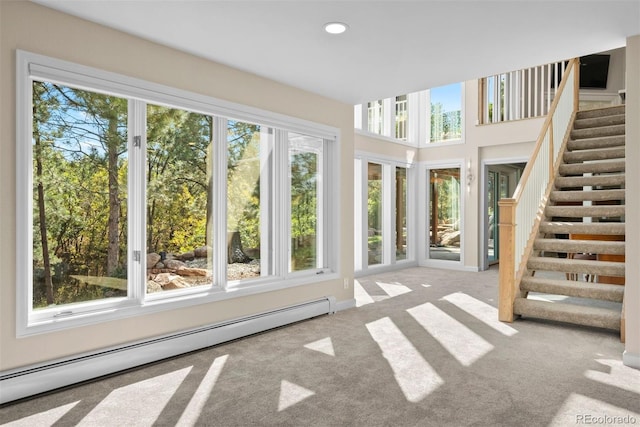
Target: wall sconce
pixel 470 176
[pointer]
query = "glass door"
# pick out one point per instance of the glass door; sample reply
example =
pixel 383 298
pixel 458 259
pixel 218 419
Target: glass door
pixel 492 217
pixel 444 214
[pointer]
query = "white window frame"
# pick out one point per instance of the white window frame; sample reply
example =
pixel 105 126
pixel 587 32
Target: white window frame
pixel 423 200
pixel 361 253
pixel 426 116
pixel 30 67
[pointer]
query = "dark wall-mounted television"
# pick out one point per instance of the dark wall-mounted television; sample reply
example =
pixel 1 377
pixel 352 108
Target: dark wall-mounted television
pixel 594 70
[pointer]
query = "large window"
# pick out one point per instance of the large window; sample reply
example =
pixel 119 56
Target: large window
pixel 179 199
pixel 79 203
pixel 305 166
pixel 249 149
pixel 132 203
pixel 445 113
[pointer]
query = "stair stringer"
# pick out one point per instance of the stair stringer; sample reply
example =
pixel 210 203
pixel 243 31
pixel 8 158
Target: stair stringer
pixel 529 250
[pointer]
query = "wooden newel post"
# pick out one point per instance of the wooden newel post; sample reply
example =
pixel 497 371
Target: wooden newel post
pixel 507 291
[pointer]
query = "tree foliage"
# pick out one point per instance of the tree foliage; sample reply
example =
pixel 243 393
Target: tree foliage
pixel 81 184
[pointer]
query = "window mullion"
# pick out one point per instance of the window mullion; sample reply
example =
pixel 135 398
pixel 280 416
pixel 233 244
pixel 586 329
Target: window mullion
pixel 136 246
pixel 389 117
pixel 388 216
pixel 266 203
pixel 219 196
pixel 320 206
pixel 282 203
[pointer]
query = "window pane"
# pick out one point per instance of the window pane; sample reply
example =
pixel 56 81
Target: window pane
pixel 401 213
pixel 446 112
pixel 401 117
pixel 249 154
pixel 179 203
pixel 375 216
pixel 79 195
pixel 375 116
pixel 444 214
pixel 305 160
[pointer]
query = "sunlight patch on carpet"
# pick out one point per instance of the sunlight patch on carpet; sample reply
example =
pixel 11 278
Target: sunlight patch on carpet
pixel 361 296
pixel 619 375
pixel 142 401
pixel 46 418
pixel 291 393
pixel 416 378
pixel 394 289
pixel 481 311
pixel 193 410
pixel 323 346
pixel 461 342
pixel 583 410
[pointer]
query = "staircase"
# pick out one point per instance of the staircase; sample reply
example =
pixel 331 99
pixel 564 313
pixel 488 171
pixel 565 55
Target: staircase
pixel 584 216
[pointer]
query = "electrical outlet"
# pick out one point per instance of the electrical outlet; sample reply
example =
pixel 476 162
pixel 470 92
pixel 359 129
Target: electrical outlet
pixel 346 283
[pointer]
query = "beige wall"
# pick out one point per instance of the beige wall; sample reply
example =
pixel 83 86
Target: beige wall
pixel 632 287
pixel 382 148
pixel 27 26
pixel 495 142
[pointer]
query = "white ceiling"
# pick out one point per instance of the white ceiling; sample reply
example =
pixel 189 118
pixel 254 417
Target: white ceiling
pixel 392 47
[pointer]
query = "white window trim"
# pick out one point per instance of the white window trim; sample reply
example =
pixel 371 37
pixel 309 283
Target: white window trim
pixel 423 200
pixel 440 143
pixel 361 253
pixel 30 66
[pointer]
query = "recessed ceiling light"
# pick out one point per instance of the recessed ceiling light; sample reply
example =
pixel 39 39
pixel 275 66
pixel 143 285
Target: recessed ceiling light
pixel 335 27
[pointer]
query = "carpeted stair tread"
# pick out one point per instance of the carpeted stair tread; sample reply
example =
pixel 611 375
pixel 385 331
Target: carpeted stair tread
pixel 591 122
pixel 580 246
pixel 559 227
pixel 599 112
pixel 590 143
pixel 569 313
pixel 598 132
pixel 606 211
pixel 586 195
pixel 591 290
pixel 596 154
pixel 565 265
pixel 595 167
pixel 610 180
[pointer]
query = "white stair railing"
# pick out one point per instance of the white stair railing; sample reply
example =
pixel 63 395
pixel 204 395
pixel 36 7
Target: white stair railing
pixel 520 94
pixel 520 216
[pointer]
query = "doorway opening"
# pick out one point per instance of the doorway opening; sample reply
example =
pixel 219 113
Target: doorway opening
pixel 501 181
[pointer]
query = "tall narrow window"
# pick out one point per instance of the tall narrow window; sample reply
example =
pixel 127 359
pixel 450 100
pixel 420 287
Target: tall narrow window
pixel 249 149
pixel 375 116
pixel 446 112
pixel 401 117
pixel 306 208
pixel 375 216
pixel 444 214
pixel 401 213
pixel 80 173
pixel 179 199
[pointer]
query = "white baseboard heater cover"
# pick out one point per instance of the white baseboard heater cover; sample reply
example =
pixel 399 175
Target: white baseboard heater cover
pixel 28 381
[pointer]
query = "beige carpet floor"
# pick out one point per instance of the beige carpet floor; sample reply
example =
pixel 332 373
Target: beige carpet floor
pixel 423 348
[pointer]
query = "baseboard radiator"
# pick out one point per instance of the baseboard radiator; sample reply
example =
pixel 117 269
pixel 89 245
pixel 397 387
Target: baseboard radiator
pixel 31 380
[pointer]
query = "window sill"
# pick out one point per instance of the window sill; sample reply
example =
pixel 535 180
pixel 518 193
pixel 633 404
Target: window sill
pixel 209 295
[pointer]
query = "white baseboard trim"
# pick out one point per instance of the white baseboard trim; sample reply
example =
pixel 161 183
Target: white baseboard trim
pixel 346 304
pixel 30 380
pixel 631 360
